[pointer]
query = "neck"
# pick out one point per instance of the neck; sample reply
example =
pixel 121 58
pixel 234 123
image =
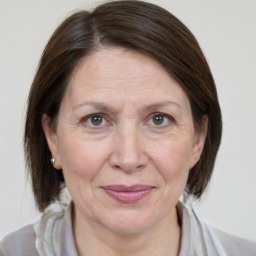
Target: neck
pixel 163 239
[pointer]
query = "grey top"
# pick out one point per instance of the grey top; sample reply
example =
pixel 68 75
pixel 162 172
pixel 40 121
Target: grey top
pixel 52 234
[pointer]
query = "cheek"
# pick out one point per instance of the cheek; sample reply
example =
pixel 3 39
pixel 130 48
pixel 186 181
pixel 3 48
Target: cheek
pixel 172 159
pixel 82 158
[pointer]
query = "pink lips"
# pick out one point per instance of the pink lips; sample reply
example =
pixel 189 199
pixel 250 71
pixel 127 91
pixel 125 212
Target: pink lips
pixel 128 194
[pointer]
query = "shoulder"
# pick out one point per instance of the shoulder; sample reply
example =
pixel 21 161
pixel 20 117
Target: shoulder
pixel 204 239
pixel 19 243
pixel 234 245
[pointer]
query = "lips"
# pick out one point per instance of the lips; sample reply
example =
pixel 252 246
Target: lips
pixel 128 194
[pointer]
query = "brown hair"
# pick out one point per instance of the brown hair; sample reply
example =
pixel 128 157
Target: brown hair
pixel 136 25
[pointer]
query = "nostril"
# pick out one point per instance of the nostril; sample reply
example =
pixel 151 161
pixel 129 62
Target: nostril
pixel 133 168
pixel 127 168
pixel 128 161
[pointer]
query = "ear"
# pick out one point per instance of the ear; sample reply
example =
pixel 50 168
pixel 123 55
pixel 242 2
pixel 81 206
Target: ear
pixel 52 141
pixel 199 141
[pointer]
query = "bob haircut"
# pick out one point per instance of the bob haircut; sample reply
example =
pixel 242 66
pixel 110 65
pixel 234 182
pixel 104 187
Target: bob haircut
pixel 136 25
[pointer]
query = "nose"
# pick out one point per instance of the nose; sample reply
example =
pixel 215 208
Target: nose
pixel 129 153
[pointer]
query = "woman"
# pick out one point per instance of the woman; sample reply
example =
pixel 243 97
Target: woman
pixel 124 113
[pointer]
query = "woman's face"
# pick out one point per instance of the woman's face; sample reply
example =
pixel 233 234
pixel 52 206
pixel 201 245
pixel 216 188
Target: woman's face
pixel 125 140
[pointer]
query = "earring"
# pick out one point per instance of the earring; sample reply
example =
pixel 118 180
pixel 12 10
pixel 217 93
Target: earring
pixel 52 161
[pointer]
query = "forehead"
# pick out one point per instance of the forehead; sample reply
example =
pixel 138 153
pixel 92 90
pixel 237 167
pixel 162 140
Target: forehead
pixel 111 72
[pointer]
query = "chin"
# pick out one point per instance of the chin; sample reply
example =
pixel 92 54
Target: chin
pixel 131 223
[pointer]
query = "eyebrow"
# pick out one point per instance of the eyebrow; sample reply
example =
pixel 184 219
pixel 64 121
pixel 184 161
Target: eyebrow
pixel 104 107
pixel 95 104
pixel 160 104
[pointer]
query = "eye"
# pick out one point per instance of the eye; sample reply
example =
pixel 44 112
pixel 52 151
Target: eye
pixel 95 120
pixel 160 119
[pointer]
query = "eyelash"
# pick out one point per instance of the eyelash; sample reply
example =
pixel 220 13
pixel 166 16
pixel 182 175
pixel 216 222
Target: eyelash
pixel 167 118
pixel 87 118
pixel 104 118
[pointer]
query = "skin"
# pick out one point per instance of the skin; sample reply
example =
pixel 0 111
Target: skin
pixel 129 93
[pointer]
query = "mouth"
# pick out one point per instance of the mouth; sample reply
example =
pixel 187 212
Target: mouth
pixel 128 194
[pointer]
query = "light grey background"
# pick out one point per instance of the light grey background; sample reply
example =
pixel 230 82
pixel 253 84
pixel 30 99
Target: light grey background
pixel 226 30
